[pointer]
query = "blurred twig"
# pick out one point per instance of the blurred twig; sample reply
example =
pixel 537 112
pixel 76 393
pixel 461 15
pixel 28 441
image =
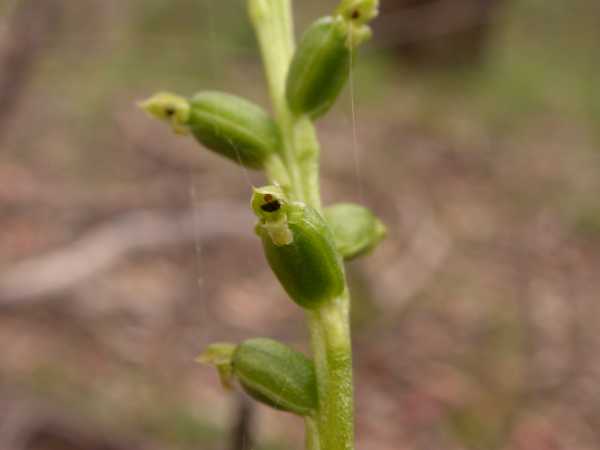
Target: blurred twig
pixel 104 246
pixel 31 24
pixel 242 429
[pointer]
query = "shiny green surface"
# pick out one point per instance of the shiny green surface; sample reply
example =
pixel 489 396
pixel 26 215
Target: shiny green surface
pixel 355 228
pixel 309 268
pixel 233 127
pixel 320 67
pixel 276 375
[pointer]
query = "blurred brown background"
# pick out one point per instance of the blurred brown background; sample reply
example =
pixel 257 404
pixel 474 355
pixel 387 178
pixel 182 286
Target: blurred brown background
pixel 125 250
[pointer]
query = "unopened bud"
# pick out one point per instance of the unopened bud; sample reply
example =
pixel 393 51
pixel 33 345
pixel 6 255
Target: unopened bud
pixel 299 247
pixel 269 371
pixel 226 124
pixel 355 228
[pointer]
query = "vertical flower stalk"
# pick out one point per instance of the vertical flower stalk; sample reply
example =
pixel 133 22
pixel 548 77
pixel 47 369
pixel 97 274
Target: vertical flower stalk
pixel 311 78
pixel 304 244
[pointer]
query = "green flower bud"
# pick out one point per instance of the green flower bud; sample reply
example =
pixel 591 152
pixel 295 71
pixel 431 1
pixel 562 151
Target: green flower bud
pixel 226 124
pixel 320 67
pixel 269 371
pixel 276 375
pixel 355 229
pixel 299 247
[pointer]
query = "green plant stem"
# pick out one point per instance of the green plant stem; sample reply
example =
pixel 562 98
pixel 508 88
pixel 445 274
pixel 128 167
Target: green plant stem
pixel 330 339
pixel 333 426
pixel 312 433
pixel 272 20
pixel 277 171
pixel 307 151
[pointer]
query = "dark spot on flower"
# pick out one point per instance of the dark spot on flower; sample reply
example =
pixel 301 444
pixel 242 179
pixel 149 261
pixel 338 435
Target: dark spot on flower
pixel 355 14
pixel 170 111
pixel 271 206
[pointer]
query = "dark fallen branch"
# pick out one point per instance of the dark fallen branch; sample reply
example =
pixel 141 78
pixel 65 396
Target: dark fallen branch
pixel 413 26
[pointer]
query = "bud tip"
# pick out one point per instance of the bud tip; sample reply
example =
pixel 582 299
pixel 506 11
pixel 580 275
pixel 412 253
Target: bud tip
pixel 216 354
pixel 220 355
pixel 168 107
